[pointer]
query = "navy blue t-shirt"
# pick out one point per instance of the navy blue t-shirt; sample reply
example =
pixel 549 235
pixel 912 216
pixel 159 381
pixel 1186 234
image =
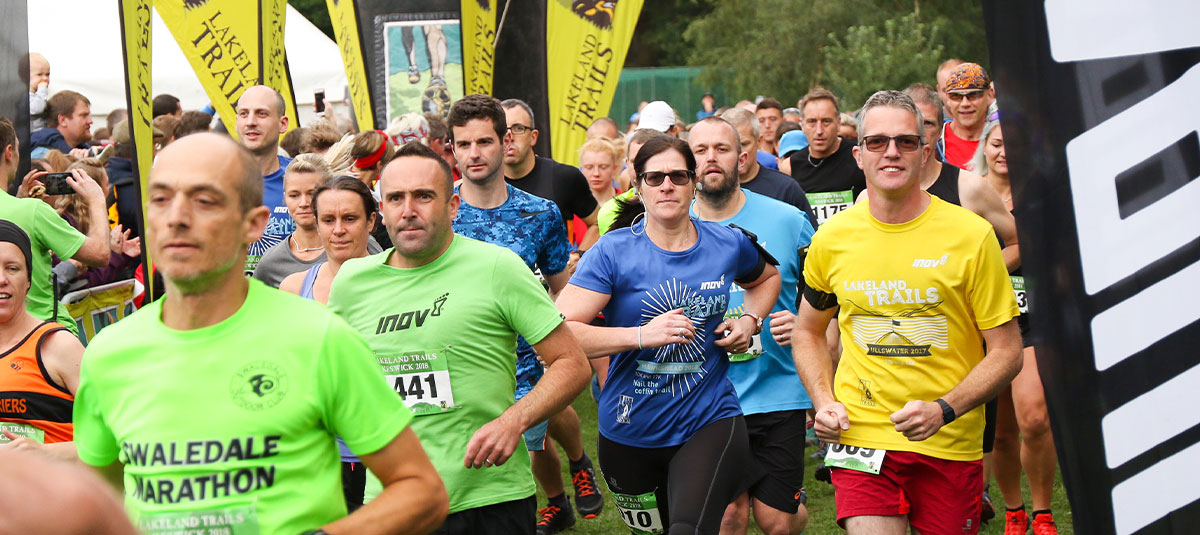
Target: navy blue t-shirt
pixel 660 397
pixel 531 227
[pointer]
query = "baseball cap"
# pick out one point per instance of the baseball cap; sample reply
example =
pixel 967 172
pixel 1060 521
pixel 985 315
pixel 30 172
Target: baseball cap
pixel 792 141
pixel 968 76
pixel 657 115
pixel 408 127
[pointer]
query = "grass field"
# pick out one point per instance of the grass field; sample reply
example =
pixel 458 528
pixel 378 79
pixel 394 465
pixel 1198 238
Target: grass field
pixel 820 495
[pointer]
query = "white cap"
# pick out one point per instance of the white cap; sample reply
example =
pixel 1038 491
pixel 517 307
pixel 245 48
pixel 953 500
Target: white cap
pixel 657 115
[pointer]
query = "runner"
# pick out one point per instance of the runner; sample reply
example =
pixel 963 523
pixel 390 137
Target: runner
pixel 344 228
pixel 673 443
pixel 39 360
pixel 920 286
pixel 261 118
pixel 302 248
pixel 442 313
pixel 772 398
pixel 1023 435
pixel 825 168
pixel 496 212
pixel 57 497
pixel 216 406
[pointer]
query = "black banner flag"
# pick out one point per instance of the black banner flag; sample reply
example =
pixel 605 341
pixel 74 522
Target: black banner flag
pixel 1100 112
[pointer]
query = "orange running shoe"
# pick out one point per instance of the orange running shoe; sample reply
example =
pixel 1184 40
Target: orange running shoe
pixel 1043 524
pixel 1016 522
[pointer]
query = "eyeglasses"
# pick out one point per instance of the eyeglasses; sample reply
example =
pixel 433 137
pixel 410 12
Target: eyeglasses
pixel 520 129
pixel 681 177
pixel 904 143
pixel 972 96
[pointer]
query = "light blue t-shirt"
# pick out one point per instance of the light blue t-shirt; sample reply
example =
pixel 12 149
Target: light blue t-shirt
pixel 660 397
pixel 769 382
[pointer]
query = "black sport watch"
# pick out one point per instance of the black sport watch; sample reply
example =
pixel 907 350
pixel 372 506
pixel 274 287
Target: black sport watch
pixel 947 412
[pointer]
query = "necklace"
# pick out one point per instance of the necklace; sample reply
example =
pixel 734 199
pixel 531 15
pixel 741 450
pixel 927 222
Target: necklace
pixel 301 249
pixel 815 165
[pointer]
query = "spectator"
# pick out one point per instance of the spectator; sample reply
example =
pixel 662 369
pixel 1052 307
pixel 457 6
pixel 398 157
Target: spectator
pixel 101 136
pixel 371 151
pixel 69 119
pixel 47 231
pixel 770 113
pixel 605 128
pixel 439 141
pixel 321 136
pixel 168 125
pixel 125 250
pixel 293 142
pixel 191 122
pixel 165 104
pixel 708 104
pixel 123 178
pixel 114 117
pixel 53 162
pixel 39 89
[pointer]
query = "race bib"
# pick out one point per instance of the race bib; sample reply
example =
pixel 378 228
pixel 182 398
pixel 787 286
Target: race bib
pixel 228 521
pixel 855 458
pixel 752 353
pixel 828 203
pixel 422 380
pixel 1018 283
pixel 640 513
pixel 22 430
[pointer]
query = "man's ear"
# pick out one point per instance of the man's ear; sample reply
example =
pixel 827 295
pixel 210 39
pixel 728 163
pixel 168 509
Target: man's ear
pixel 283 123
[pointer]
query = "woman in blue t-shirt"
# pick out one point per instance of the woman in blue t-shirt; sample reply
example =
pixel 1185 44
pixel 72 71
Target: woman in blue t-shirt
pixel 673 444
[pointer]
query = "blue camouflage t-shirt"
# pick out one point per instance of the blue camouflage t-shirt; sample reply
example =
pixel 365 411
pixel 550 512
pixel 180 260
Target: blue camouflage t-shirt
pixel 531 227
pixel 281 225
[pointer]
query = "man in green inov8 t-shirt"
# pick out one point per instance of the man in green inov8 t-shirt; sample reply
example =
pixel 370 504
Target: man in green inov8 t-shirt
pixel 442 313
pixel 217 406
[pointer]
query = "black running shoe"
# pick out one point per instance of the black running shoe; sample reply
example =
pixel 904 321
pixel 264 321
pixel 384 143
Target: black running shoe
pixel 588 499
pixel 554 519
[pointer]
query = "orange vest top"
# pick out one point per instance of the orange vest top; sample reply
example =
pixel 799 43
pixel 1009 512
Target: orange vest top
pixel 27 394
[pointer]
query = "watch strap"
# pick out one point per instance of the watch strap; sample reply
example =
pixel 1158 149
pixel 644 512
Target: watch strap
pixel 947 411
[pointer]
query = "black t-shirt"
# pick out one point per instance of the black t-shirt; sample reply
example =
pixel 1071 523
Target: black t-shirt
pixel 780 187
pixel 837 172
pixel 563 184
pixel 946 185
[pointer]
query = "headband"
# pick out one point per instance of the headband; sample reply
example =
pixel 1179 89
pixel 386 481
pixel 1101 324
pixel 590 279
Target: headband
pixel 11 233
pixel 370 161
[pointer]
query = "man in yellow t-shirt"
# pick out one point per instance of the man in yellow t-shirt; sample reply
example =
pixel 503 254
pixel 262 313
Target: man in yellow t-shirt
pixel 920 289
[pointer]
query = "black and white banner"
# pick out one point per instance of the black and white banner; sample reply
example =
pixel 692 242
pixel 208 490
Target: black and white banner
pixel 1100 102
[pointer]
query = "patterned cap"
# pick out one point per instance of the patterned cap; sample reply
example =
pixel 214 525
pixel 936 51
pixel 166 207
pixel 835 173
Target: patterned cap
pixel 968 76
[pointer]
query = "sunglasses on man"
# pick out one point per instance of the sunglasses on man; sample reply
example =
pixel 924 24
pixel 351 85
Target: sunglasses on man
pixel 904 143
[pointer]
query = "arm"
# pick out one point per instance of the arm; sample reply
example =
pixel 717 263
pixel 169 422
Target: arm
pixel 761 295
pixel 593 232
pixel 557 282
pixel 413 499
pixel 921 419
pixel 114 474
pixel 815 366
pixel 580 306
pixel 292 283
pixel 567 374
pixel 95 250
pixel 977 196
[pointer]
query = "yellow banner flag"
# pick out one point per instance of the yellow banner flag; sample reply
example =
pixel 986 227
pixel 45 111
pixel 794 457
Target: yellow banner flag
pixel 584 56
pixel 345 30
pixel 222 40
pixel 135 32
pixel 479 45
pixel 273 15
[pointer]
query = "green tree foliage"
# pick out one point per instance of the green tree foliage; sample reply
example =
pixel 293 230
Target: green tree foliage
pixel 892 55
pixel 779 47
pixel 317 12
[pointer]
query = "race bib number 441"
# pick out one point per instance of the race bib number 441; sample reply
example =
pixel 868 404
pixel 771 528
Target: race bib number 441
pixel 422 380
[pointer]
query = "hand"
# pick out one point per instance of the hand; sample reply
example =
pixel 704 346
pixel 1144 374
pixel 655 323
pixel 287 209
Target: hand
pixel 19 443
pixel 31 180
pixel 79 154
pixel 671 327
pixel 86 186
pixel 116 238
pixel 572 262
pixel 132 247
pixel 830 421
pixel 741 334
pixel 918 420
pixel 493 443
pixel 80 267
pixel 782 323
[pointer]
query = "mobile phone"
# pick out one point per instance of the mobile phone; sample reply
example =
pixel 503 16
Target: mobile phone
pixel 56 184
pixel 319 100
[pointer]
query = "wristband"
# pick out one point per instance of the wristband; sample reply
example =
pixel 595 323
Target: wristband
pixel 315 532
pixel 947 411
pixel 758 322
pixel 640 337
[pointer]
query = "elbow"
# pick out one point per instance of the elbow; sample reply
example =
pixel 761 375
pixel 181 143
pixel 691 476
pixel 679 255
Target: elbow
pixel 92 255
pixel 437 507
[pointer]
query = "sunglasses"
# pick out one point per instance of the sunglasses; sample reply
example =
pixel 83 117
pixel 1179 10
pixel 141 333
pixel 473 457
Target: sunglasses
pixel 905 143
pixel 972 96
pixel 681 177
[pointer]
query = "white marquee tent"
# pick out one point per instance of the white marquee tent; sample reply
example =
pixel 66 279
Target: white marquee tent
pixel 82 41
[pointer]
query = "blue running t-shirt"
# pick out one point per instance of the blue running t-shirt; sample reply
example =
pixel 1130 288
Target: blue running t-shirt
pixel 531 227
pixel 766 378
pixel 280 225
pixel 662 396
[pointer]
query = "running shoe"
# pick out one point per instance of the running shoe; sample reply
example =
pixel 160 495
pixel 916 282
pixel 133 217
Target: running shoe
pixel 1016 522
pixel 1043 524
pixel 588 499
pixel 414 75
pixel 987 511
pixel 554 519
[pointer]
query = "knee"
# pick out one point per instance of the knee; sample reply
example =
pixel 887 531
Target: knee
pixel 1035 422
pixel 1006 440
pixel 736 517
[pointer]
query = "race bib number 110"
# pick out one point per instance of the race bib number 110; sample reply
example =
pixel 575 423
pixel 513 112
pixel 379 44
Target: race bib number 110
pixel 640 513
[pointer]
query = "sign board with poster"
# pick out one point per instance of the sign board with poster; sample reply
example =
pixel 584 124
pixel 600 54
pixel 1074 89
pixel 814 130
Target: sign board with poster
pixel 424 63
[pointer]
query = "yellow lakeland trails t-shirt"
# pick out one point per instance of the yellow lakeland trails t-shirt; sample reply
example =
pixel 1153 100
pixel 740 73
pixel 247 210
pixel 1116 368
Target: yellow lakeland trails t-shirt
pixel 914 298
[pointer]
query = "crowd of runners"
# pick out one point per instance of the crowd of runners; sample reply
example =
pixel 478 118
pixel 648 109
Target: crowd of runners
pixel 384 331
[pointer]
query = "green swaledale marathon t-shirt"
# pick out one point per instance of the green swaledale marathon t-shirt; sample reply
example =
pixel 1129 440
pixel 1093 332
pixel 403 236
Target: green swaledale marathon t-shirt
pixel 229 429
pixel 445 336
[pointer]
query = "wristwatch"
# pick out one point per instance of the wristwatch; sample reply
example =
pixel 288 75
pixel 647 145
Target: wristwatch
pixel 757 321
pixel 947 411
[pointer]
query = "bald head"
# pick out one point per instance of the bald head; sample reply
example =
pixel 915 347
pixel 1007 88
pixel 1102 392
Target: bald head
pixel 259 92
pixel 223 157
